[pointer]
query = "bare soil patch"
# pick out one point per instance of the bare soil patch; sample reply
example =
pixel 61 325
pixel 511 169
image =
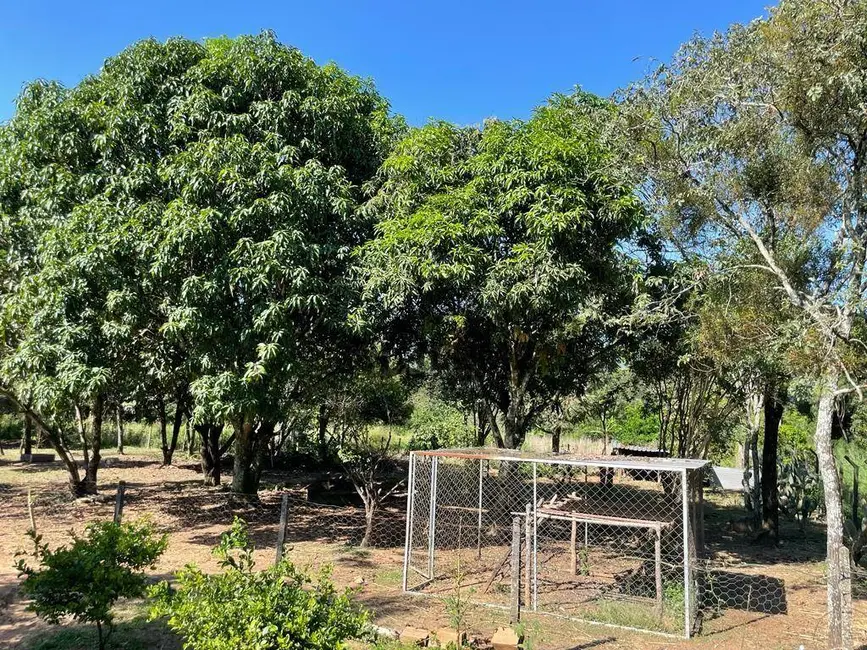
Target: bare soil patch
pixel 194 517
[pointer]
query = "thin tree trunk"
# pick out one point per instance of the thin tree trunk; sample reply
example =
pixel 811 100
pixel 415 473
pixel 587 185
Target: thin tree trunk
pixel 604 421
pixel 169 453
pixel 118 414
pixel 322 430
pixel 773 412
pixel 837 623
pixel 28 435
pixel 369 514
pixel 555 438
pixel 188 432
pixel 210 452
pixel 752 493
pixel 97 410
pixel 164 426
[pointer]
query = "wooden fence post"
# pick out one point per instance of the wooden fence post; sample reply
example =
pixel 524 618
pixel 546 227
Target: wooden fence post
pixel 118 501
pixel 281 532
pixel 30 511
pixel 515 612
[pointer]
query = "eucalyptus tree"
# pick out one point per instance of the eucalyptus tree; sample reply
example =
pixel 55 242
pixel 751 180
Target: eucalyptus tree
pixel 504 245
pixel 758 137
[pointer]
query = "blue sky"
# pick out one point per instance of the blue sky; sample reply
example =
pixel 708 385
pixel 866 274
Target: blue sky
pixel 457 60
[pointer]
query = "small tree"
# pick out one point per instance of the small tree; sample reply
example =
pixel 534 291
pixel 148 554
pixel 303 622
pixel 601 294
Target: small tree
pixel 368 465
pixel 83 580
pixel 275 609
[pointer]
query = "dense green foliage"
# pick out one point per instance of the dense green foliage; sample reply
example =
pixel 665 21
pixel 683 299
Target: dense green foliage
pixel 502 246
pixel 85 578
pixel 279 608
pixel 178 229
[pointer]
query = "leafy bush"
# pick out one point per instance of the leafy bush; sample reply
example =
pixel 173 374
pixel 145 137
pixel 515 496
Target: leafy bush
pixel 435 424
pixel 275 609
pixel 11 428
pixel 83 580
pixel 633 425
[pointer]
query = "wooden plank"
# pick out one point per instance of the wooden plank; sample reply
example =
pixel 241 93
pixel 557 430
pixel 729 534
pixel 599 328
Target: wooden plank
pixel 281 532
pixel 546 513
pixel 118 502
pixel 658 571
pixel 574 564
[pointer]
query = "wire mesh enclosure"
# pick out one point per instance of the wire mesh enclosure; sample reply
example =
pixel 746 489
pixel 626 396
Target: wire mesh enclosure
pixel 610 540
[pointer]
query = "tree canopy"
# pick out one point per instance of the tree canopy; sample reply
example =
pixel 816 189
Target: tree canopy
pixel 504 246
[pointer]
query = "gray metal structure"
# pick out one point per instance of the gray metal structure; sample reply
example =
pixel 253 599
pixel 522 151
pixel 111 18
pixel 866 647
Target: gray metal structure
pixel 612 540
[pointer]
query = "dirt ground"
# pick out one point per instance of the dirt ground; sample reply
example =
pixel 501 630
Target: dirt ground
pixel 194 517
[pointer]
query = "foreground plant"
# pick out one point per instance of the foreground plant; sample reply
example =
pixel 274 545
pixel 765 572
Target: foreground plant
pixel 280 607
pixel 85 579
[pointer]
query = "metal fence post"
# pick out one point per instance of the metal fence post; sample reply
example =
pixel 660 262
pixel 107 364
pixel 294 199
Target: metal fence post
pixel 407 551
pixel 432 523
pixel 687 626
pixel 535 542
pixel 281 532
pixel 479 527
pixel 118 501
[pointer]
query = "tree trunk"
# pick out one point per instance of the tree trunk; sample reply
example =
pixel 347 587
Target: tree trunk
pixel 838 627
pixel 164 426
pixel 773 412
pixel 555 438
pixel 118 414
pixel 752 493
pixel 92 467
pixel 169 453
pixel 481 425
pixel 245 479
pixel 515 420
pixel 604 421
pixel 210 452
pixel 369 515
pixel 191 438
pixel 28 435
pixel 322 430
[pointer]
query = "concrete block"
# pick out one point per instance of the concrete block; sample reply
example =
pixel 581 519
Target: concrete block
pixel 505 638
pixel 447 635
pixel 414 636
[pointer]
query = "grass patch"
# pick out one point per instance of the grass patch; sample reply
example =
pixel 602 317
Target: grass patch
pixel 634 615
pixel 389 578
pixel 355 552
pixel 132 631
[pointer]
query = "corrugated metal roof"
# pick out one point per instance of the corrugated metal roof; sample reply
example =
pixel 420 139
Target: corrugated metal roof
pixel 616 462
pixel 729 478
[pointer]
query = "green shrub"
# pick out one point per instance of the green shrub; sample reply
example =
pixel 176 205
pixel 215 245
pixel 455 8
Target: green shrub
pixel 83 580
pixel 11 427
pixel 435 424
pixel 275 609
pixel 634 425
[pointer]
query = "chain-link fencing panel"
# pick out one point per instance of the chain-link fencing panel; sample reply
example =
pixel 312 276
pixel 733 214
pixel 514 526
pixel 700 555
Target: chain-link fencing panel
pixel 578 540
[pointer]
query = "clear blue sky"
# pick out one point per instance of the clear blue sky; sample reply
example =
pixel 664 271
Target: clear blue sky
pixel 452 59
